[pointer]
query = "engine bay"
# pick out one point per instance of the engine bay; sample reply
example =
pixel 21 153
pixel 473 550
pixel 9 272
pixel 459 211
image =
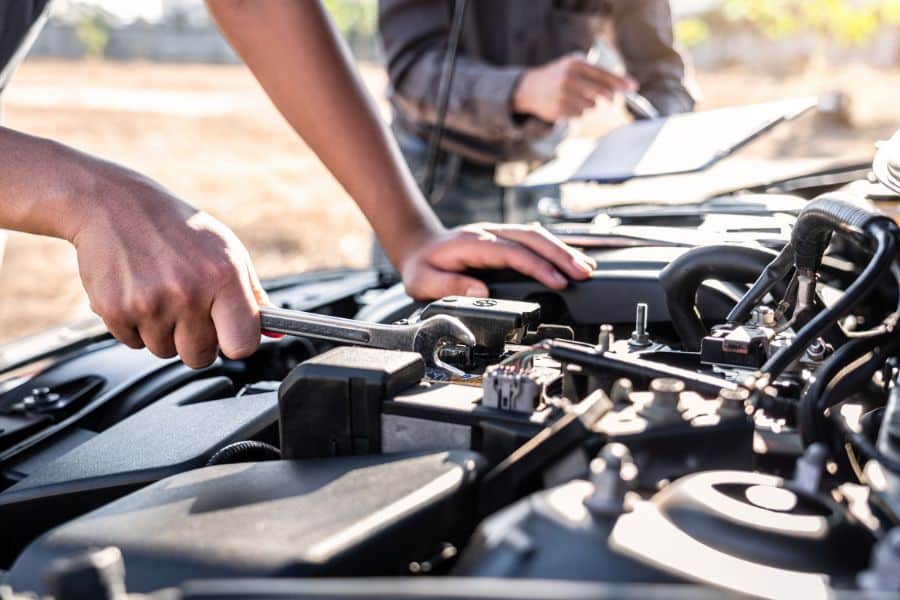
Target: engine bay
pixel 715 410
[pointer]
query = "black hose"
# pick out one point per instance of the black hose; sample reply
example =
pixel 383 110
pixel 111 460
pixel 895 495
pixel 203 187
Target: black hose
pixel 835 212
pixel 868 448
pixel 681 279
pixel 446 83
pixel 774 272
pixel 883 231
pixel 810 408
pixel 246 451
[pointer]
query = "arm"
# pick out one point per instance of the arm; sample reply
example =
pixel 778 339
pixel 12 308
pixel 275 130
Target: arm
pixel 299 61
pixel 486 100
pixel 414 35
pixel 647 42
pixel 158 272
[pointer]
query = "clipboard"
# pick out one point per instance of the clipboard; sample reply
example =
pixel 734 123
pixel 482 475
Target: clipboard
pixel 683 143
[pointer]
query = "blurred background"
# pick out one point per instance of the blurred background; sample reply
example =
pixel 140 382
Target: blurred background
pixel 152 85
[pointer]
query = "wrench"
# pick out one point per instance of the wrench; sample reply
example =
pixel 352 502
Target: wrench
pixel 425 337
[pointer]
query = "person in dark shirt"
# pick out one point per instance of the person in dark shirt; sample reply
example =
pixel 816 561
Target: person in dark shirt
pixel 522 72
pixel 164 275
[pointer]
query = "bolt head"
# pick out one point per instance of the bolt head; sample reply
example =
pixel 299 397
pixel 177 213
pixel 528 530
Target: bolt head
pixel 666 390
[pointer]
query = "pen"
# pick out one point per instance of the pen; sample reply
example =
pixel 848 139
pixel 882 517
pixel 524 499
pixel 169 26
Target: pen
pixel 640 106
pixel 604 56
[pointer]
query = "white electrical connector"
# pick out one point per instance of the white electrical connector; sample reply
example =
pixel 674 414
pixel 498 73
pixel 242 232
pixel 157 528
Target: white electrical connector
pixel 509 387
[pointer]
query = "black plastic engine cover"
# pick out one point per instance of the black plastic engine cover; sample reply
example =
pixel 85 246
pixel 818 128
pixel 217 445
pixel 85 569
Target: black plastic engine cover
pixel 178 432
pixel 330 405
pixel 551 535
pixel 342 516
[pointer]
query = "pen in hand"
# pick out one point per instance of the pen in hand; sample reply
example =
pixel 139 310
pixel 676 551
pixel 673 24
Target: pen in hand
pixel 602 55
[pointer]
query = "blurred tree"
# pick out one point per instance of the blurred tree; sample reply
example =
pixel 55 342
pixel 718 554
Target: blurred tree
pixel 92 30
pixel 692 31
pixel 357 22
pixel 850 22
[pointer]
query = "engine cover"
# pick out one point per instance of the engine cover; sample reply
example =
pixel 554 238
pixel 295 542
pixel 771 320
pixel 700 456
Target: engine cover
pixel 362 515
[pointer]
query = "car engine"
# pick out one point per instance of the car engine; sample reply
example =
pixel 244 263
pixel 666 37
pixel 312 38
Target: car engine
pixel 715 410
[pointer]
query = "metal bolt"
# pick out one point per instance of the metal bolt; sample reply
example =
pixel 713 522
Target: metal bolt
pixel 40 393
pixel 639 336
pixel 663 406
pixel 611 473
pixel 606 339
pixel 621 391
pixel 733 402
pixel 816 350
pixel 666 391
pixel 455 354
pixel 40 398
pixel 806 290
pixel 763 317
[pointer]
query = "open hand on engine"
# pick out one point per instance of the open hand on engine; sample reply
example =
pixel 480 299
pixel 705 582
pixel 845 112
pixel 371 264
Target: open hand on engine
pixel 436 268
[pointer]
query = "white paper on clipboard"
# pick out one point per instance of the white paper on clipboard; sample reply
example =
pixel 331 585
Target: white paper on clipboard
pixel 682 143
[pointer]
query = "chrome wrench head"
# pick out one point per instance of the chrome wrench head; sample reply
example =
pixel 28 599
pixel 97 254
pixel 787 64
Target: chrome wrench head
pixel 437 331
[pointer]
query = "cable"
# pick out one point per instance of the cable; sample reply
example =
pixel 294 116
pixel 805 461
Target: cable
pixel 522 357
pixel 446 82
pixel 867 447
pixel 245 451
pixel 884 255
pixel 681 279
pixel 774 272
pixel 810 408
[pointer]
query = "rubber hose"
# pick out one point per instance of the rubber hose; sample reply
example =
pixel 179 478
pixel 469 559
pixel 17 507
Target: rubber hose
pixel 774 272
pixel 830 213
pixel 809 407
pixel 867 447
pixel 681 279
pixel 246 451
pixel 853 382
pixel 883 231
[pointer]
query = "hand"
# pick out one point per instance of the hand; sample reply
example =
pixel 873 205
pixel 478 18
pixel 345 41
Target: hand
pixel 565 88
pixel 164 275
pixel 435 268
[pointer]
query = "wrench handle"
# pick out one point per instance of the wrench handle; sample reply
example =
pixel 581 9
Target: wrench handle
pixel 295 322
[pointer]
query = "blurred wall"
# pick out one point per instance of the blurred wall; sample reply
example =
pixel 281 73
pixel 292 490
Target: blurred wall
pixel 162 42
pixel 722 44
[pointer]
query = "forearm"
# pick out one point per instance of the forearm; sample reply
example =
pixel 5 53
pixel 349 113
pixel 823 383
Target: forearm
pixel 645 35
pixel 51 189
pixel 41 183
pixel 414 36
pixel 299 61
pixel 481 97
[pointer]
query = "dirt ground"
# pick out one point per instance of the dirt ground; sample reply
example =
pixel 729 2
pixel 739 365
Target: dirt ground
pixel 209 134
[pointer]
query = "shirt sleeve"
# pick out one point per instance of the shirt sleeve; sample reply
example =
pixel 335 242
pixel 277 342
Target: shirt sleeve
pixel 646 40
pixel 414 36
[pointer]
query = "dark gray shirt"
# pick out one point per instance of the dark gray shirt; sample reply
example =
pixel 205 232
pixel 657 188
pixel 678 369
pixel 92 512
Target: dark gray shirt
pixel 500 40
pixel 20 23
